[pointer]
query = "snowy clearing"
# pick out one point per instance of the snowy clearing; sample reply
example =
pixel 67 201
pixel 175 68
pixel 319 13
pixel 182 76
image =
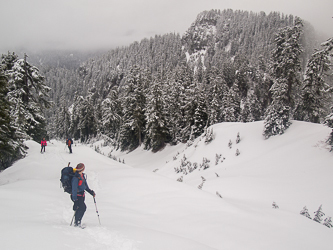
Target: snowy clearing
pixel 143 206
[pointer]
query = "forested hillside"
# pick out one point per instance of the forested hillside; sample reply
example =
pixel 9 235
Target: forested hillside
pixel 169 88
pixel 230 66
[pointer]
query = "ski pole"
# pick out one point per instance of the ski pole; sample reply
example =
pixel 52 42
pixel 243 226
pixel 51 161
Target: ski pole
pixel 73 218
pixel 97 211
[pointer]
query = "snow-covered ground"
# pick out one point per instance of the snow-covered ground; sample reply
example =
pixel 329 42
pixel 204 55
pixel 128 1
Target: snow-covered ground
pixel 142 205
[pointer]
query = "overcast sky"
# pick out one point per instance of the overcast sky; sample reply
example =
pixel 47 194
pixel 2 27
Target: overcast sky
pixel 106 24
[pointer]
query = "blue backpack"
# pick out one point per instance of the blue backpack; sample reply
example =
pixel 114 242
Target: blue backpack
pixel 67 174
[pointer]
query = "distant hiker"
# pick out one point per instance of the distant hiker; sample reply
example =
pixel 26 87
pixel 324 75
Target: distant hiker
pixel 79 185
pixel 43 144
pixel 69 143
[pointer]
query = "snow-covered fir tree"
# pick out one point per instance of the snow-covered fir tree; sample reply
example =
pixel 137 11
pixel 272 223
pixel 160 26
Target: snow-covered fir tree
pixel 63 122
pixel 305 212
pixel 329 118
pixel 190 103
pixel 75 117
pixel 111 114
pixel 328 222
pixel 230 144
pixel 28 96
pixel 11 145
pixel 238 138
pixel 156 128
pixel 250 108
pixel 133 104
pixel 209 135
pixel 277 118
pixel 237 152
pixel 274 205
pixel 175 102
pixel 315 88
pixel 231 104
pixel 87 123
pixel 214 97
pixel 318 215
pixel 285 72
pixel 200 117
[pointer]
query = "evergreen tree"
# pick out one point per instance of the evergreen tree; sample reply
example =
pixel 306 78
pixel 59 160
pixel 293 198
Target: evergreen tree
pixel 250 108
pixel 74 131
pixel 174 106
pixel 277 116
pixel 156 128
pixel 286 58
pixel 231 104
pixel 87 125
pixel 11 147
pixel 318 215
pixel 305 212
pixel 285 68
pixel 315 88
pixel 28 96
pixel 200 117
pixel 328 222
pixel 134 100
pixel 187 102
pixel 63 122
pixel 215 98
pixel 111 114
pixel 329 118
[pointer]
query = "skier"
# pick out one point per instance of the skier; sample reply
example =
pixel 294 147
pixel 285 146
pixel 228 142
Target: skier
pixel 69 143
pixel 43 144
pixel 79 185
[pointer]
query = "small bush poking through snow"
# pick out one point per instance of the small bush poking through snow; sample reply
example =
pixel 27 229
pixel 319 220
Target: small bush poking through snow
pixel 305 212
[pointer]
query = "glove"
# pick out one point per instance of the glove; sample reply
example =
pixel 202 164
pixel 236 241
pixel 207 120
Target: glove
pixel 93 193
pixel 75 207
pixel 73 199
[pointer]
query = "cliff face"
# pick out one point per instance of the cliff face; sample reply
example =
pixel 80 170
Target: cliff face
pixel 217 35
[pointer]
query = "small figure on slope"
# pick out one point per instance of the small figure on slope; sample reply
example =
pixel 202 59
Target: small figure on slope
pixel 69 143
pixel 43 144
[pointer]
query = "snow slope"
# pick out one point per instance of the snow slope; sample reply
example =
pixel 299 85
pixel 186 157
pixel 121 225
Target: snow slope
pixel 143 206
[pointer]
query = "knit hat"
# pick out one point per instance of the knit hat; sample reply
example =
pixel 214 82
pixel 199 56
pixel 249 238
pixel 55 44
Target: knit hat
pixel 80 167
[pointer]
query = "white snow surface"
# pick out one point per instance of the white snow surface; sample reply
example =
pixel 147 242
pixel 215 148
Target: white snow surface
pixel 141 205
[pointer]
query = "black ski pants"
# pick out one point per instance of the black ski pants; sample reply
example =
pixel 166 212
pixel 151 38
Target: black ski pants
pixel 80 208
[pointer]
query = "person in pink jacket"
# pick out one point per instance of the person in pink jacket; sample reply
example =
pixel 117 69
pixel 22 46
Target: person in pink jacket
pixel 43 143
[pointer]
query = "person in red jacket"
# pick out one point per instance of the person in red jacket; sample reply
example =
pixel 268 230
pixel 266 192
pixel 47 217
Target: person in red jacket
pixel 43 143
pixel 69 143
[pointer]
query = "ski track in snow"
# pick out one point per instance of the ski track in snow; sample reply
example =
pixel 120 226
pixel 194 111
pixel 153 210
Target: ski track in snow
pixel 106 239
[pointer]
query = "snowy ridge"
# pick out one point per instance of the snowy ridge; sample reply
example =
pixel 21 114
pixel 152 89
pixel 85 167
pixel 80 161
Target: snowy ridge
pixel 143 206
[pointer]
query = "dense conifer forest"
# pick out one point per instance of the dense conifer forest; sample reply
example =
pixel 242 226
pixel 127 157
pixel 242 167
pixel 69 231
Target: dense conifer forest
pixel 229 66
